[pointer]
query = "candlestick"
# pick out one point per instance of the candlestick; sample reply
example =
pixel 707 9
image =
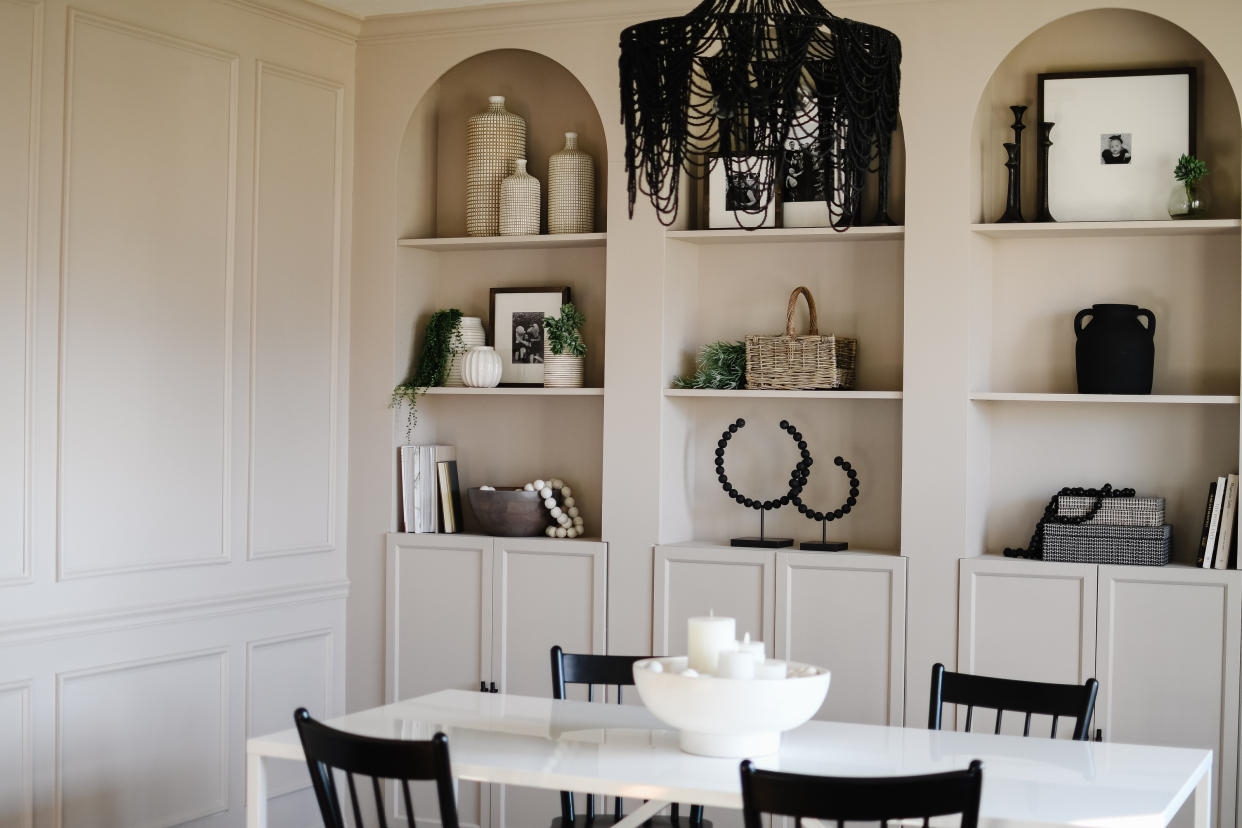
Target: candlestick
pixel 771 669
pixel 735 664
pixel 706 636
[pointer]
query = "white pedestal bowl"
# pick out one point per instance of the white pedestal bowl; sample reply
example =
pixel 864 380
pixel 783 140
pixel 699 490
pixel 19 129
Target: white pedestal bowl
pixel 733 718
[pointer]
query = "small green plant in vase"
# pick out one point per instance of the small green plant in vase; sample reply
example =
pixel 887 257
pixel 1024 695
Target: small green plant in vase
pixel 440 344
pixel 563 348
pixel 1187 199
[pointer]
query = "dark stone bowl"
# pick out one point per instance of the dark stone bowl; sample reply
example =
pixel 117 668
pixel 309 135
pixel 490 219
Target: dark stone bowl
pixel 509 513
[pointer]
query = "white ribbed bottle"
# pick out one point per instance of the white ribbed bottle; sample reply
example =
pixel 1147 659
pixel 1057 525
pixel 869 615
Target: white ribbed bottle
pixel 571 189
pixel 519 203
pixel 472 336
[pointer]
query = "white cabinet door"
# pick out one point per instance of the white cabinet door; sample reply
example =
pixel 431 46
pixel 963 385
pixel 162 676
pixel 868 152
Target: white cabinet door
pixel 1168 664
pixel 547 592
pixel 439 609
pixel 846 612
pixel 1032 620
pixel 689 581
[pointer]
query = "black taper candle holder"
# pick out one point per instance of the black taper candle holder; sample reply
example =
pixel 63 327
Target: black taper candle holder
pixel 1042 213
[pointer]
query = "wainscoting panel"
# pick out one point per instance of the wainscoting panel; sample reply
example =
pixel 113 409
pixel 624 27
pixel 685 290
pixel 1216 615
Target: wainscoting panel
pixel 146 287
pixel 295 324
pixel 20 57
pixel 16 757
pixel 159 756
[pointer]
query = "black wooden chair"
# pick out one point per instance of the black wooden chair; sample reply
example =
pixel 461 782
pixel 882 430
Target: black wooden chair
pixel 604 670
pixel 1012 695
pixel 402 760
pixel 861 798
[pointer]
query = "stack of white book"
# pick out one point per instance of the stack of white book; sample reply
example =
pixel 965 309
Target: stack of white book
pixel 1220 519
pixel 421 510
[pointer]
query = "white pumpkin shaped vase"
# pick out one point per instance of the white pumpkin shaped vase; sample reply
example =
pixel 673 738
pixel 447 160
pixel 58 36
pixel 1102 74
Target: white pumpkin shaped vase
pixel 481 367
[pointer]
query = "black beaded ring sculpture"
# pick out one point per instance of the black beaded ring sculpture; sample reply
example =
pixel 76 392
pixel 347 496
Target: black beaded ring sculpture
pixel 824 518
pixel 797 479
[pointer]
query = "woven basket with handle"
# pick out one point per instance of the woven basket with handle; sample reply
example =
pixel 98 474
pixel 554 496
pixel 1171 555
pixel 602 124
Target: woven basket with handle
pixel 800 362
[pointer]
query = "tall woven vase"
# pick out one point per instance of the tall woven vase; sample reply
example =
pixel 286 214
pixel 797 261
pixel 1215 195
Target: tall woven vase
pixel 571 189
pixel 494 140
pixel 519 203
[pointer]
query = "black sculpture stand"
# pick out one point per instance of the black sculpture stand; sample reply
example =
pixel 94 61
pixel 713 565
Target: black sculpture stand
pixel 882 218
pixel 1042 212
pixel 763 541
pixel 1013 198
pixel 823 544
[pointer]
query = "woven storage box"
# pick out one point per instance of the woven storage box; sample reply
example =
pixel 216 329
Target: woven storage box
pixel 1095 543
pixel 800 362
pixel 1115 511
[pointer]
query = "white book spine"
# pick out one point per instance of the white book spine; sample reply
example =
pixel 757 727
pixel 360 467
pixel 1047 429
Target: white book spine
pixel 1228 512
pixel 1209 557
pixel 409 498
pixel 435 455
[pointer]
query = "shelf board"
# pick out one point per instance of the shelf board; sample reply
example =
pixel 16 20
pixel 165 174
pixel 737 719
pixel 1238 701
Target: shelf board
pixel 786 234
pixel 1099 229
pixel 784 395
pixel 480 243
pixel 1124 399
pixel 515 392
pixel 724 544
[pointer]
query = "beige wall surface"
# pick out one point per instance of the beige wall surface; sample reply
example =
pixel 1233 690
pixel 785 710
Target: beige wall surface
pixel 175 186
pixel 952 113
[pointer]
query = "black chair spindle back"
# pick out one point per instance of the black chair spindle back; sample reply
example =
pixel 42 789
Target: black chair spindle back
pixel 1003 695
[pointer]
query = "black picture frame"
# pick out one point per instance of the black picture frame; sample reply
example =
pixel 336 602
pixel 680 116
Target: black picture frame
pixel 562 297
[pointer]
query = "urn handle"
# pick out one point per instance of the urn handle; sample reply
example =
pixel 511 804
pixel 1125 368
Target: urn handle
pixel 1151 320
pixel 1085 312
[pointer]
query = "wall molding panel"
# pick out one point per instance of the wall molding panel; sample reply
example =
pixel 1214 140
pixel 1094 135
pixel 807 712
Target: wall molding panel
pixel 17 757
pixel 111 66
pixel 16 562
pixel 166 779
pixel 295 312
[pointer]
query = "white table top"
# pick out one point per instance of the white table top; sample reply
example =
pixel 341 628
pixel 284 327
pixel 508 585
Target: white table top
pixel 624 751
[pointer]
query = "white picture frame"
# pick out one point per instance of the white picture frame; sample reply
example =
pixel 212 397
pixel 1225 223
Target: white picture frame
pixel 720 216
pixel 1116 138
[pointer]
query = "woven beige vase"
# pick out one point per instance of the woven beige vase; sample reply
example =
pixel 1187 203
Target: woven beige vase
pixel 571 189
pixel 561 371
pixel 494 140
pixel 519 203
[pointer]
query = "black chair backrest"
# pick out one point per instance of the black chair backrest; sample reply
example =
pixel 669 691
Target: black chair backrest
pixel 1001 695
pixel 328 749
pixel 869 799
pixel 614 670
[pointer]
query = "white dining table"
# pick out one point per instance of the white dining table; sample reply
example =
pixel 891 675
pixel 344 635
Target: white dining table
pixel 622 750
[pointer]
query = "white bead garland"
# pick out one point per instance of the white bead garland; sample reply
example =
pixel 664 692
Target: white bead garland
pixel 566 514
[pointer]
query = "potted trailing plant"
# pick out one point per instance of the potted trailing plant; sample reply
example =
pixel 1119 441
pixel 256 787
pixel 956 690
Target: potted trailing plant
pixel 721 366
pixel 1187 198
pixel 563 348
pixel 442 341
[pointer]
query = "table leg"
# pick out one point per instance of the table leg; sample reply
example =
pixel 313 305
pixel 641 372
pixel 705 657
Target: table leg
pixel 256 791
pixel 643 813
pixel 1203 801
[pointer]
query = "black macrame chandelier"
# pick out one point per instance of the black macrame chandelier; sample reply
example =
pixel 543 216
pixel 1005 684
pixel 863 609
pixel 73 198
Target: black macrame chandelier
pixel 749 82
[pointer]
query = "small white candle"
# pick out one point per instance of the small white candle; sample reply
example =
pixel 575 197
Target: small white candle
pixel 771 669
pixel 753 648
pixel 706 636
pixel 734 664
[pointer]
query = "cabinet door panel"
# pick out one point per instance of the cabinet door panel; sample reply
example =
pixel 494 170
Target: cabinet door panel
pixel 846 612
pixel 548 592
pixel 1028 620
pixel 1168 664
pixel 690 581
pixel 439 611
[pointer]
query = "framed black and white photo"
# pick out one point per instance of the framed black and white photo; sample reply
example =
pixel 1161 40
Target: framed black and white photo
pixel 804 201
pixel 1116 140
pixel 736 195
pixel 517 330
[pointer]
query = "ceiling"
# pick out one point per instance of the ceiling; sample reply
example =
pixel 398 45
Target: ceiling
pixel 372 8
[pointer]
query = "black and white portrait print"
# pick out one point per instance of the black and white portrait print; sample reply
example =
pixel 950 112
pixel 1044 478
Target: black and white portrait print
pixel 528 337
pixel 1115 148
pixel 743 191
pixel 804 177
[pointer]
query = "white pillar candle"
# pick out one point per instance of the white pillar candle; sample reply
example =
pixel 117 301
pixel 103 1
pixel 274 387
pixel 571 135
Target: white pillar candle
pixel 771 669
pixel 706 636
pixel 734 664
pixel 753 648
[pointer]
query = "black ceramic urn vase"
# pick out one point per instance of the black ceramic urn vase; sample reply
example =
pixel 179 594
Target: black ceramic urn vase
pixel 1115 353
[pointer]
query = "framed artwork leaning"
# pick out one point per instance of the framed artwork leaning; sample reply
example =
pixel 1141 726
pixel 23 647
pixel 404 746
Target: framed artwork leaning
pixel 1117 137
pixel 516 319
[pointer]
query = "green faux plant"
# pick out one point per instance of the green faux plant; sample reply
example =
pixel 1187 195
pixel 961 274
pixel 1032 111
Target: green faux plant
pixel 721 366
pixel 564 334
pixel 1190 169
pixel 442 342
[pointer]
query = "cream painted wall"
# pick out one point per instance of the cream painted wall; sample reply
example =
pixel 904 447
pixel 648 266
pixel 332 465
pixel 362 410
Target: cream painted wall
pixel 951 48
pixel 175 212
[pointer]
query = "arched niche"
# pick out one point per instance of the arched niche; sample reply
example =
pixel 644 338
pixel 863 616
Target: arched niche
pixel 431 168
pixel 1101 39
